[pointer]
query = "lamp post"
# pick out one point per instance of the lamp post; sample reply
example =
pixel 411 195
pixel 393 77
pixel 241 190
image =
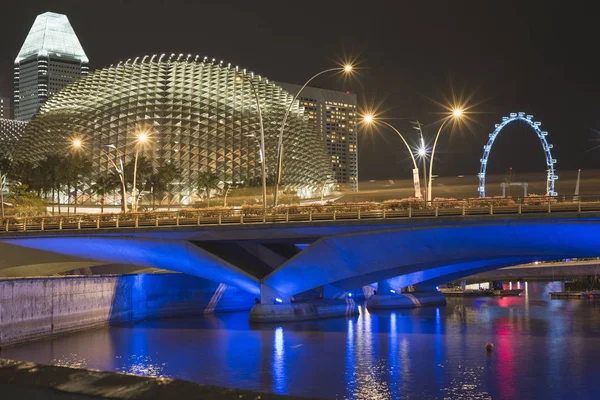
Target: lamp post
pixel 142 138
pixel 370 119
pixel 78 144
pixel 263 160
pixel 120 171
pixel 346 69
pixel 456 113
pixel 422 153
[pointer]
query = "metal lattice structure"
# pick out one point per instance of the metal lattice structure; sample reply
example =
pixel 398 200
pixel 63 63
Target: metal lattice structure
pixel 541 135
pixel 198 113
pixel 11 132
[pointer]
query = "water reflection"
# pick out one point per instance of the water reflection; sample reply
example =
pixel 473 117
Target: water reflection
pixel 424 353
pixel 279 372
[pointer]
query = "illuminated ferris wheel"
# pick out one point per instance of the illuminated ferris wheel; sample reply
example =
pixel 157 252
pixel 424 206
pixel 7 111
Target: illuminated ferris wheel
pixel 541 135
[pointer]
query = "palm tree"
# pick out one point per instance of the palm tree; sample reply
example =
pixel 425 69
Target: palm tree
pixel 50 169
pixel 169 173
pixel 207 180
pixel 102 187
pixel 75 166
pixel 5 166
pixel 144 169
pixel 227 186
pixel 115 183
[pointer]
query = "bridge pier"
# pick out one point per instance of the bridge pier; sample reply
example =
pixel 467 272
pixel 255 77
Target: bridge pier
pixel 276 307
pixel 390 296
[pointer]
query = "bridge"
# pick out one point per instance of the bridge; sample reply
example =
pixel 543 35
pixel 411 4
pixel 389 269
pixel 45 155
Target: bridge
pixel 280 256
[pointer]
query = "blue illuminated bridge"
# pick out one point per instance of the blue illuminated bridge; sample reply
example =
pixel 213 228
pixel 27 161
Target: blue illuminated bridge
pixel 285 259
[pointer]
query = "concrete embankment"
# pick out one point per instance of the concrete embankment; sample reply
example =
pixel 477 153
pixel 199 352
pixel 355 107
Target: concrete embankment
pixel 303 310
pixel 23 380
pixel 406 300
pixel 37 308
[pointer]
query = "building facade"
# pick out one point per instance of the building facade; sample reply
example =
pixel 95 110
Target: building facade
pixel 336 116
pixel 198 114
pixel 5 108
pixel 49 59
pixel 11 132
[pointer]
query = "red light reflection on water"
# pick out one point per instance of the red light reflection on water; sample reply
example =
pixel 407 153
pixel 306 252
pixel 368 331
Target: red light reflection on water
pixel 503 351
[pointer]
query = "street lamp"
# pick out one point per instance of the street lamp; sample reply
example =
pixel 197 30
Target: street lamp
pixel 120 171
pixel 142 138
pixel 263 160
pixel 457 113
pixel 370 119
pixel 346 69
pixel 422 152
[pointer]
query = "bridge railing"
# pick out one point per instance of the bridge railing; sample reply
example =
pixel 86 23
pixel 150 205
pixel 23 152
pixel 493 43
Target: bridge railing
pixel 408 208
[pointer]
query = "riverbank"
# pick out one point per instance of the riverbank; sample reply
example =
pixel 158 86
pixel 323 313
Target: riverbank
pixel 39 308
pixel 25 380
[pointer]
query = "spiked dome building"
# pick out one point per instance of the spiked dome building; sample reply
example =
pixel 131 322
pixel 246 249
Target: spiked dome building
pixel 198 114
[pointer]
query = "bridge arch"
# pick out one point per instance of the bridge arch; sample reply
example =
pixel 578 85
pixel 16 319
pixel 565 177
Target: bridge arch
pixel 541 135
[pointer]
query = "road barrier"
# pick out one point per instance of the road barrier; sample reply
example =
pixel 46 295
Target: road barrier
pixel 394 209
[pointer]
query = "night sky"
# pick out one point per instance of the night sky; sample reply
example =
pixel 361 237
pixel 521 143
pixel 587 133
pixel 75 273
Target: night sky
pixel 539 57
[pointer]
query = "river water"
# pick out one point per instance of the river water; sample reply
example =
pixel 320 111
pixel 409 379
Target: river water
pixel 546 349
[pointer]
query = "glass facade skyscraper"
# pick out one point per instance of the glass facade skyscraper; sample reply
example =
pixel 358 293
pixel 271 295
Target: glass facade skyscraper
pixel 49 59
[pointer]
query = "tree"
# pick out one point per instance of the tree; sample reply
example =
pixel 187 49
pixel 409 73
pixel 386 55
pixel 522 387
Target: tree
pixel 207 180
pixel 115 182
pixel 49 168
pixel 5 167
pixel 103 186
pixel 169 172
pixel 144 169
pixel 26 202
pixel 227 187
pixel 74 167
pixel 23 172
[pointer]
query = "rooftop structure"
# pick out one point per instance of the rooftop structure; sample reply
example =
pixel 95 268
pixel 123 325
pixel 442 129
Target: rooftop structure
pixel 49 59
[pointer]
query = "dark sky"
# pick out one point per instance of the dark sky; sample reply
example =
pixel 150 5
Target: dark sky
pixel 536 57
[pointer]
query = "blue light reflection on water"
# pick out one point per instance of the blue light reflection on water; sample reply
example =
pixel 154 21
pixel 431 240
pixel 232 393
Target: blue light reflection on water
pixel 544 349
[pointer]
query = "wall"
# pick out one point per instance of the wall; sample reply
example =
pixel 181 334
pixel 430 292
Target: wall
pixel 36 308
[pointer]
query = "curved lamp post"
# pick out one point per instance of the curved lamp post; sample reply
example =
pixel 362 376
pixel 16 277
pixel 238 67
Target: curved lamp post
pixel 263 160
pixel 120 171
pixel 370 119
pixel 142 138
pixel 347 69
pixel 456 113
pixel 77 144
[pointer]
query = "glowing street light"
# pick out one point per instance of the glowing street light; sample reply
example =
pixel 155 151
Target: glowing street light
pixel 369 119
pixel 346 69
pixel 76 144
pixel 456 114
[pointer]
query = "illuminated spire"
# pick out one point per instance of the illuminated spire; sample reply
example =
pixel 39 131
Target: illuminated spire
pixel 52 35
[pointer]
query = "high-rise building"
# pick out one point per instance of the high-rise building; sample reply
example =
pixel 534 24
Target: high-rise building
pixel 50 58
pixel 5 111
pixel 335 114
